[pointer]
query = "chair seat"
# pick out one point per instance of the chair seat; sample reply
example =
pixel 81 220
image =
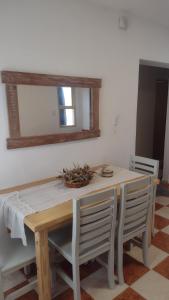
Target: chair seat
pixel 14 254
pixel 61 239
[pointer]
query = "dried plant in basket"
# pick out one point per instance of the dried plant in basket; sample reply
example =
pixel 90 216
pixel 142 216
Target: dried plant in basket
pixel 78 176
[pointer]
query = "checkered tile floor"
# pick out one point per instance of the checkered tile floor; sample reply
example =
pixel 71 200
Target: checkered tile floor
pixel 141 283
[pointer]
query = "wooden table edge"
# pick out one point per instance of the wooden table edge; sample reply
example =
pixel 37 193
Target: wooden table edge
pixel 47 221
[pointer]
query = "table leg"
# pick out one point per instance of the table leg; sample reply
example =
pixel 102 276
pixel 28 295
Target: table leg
pixel 42 261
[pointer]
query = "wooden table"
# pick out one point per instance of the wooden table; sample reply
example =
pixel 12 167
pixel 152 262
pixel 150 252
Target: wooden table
pixel 42 222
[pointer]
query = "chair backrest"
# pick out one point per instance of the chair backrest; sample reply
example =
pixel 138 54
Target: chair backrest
pixel 94 220
pixel 144 165
pixel 135 205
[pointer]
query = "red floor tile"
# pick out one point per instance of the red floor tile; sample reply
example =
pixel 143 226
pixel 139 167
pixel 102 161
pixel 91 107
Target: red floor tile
pixel 163 268
pixel 129 294
pixel 158 206
pixel 29 296
pixel 68 295
pixel 161 240
pixel 133 269
pixel 161 222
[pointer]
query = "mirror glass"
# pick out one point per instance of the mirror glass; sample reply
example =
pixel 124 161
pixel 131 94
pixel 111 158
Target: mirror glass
pixel 47 110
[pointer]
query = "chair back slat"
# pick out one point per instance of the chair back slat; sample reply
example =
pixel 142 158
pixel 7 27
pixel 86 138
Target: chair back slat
pixel 95 233
pixel 96 198
pixel 137 185
pixel 95 225
pixel 96 208
pixel 96 216
pixel 93 253
pixel 138 193
pixel 144 165
pixel 95 241
pixel 136 201
pixel 135 216
pixel 136 223
pixel 134 210
pixel 94 219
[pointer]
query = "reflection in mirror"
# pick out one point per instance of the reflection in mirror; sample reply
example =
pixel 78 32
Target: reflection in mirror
pixel 49 110
pixel 66 107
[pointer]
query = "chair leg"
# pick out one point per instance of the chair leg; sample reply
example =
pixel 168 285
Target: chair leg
pixel 153 210
pixel 1 288
pixel 120 261
pixel 111 270
pixel 153 218
pixel 145 248
pixel 76 282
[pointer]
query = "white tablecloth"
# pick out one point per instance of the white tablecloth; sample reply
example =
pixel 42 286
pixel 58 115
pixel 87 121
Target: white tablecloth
pixel 15 206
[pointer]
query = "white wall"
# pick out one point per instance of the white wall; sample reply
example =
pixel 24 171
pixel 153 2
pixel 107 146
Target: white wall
pixel 82 96
pixel 72 37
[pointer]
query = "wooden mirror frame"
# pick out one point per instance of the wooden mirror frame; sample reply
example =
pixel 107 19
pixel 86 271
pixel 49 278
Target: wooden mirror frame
pixel 12 79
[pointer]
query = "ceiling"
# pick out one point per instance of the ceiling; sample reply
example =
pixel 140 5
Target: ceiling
pixel 154 10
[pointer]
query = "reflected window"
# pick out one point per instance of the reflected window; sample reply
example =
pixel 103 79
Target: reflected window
pixel 66 106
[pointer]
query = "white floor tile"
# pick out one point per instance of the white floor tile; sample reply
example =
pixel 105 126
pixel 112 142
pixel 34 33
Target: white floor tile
pixel 162 200
pixel 163 212
pixel 12 280
pixel 152 286
pixel 166 229
pixel 155 255
pixel 96 285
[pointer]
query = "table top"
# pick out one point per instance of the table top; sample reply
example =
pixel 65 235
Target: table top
pixel 62 213
pixel 58 215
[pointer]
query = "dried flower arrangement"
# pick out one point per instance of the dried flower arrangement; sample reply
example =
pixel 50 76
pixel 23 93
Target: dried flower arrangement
pixel 78 176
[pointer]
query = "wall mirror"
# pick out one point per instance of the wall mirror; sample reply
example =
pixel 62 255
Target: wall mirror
pixel 48 109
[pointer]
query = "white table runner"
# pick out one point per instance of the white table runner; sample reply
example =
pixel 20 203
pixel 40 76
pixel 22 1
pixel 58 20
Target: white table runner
pixel 15 206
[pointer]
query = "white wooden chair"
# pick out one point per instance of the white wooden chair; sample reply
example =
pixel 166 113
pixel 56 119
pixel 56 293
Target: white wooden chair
pixel 135 207
pixel 94 220
pixel 146 166
pixel 13 257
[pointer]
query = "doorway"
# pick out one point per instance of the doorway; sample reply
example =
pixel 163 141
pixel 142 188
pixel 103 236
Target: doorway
pixel 152 113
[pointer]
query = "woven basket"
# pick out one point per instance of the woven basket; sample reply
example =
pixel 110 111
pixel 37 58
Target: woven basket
pixel 76 185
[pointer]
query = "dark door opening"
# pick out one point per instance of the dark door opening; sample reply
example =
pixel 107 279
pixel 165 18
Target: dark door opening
pixel 151 113
pixel 160 121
